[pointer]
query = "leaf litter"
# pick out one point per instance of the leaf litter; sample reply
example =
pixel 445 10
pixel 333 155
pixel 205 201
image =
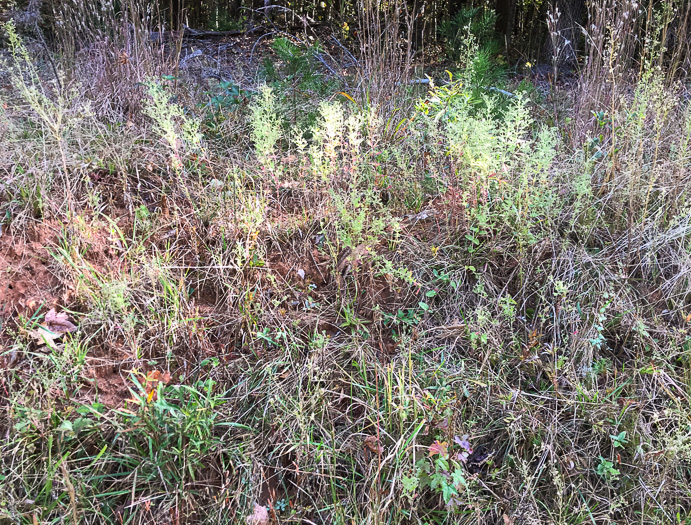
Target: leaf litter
pixel 54 326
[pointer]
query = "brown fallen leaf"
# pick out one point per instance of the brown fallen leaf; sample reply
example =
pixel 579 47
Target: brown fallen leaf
pixel 507 520
pixel 443 424
pixel 44 336
pixel 372 443
pixel 53 326
pixel 58 322
pixel 260 516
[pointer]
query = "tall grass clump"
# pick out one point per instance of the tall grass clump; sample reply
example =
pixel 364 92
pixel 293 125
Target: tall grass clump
pixel 110 44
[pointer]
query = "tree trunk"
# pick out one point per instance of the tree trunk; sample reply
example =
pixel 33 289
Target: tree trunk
pixel 419 24
pixel 234 7
pixel 506 15
pixel 175 14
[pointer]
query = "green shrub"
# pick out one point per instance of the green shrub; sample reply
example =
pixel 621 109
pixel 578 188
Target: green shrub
pixel 500 174
pixel 472 44
pixel 297 80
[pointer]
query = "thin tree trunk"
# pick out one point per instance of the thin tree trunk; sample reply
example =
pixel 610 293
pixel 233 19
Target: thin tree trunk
pixel 506 15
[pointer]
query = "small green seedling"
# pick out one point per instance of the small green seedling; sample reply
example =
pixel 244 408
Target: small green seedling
pixel 619 440
pixel 606 470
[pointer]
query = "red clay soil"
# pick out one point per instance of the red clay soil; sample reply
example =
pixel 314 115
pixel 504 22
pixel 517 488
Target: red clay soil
pixel 26 280
pixel 109 384
pixel 28 284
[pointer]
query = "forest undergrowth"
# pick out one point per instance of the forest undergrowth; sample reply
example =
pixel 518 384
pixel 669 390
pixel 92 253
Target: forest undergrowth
pixel 294 303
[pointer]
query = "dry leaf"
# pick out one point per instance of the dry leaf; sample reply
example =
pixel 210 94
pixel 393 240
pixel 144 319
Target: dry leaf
pixel 439 447
pixel 44 336
pixel 58 322
pixel 372 443
pixel 443 424
pixel 54 325
pixel 507 520
pixel 260 516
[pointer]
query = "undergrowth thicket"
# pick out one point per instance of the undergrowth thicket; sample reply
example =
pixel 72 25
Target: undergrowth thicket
pixel 343 314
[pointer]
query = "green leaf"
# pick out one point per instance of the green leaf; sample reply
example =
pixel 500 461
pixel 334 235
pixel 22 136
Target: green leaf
pixel 620 440
pixel 81 422
pixel 472 239
pixel 66 426
pixel 448 492
pixel 410 483
pixel 458 479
